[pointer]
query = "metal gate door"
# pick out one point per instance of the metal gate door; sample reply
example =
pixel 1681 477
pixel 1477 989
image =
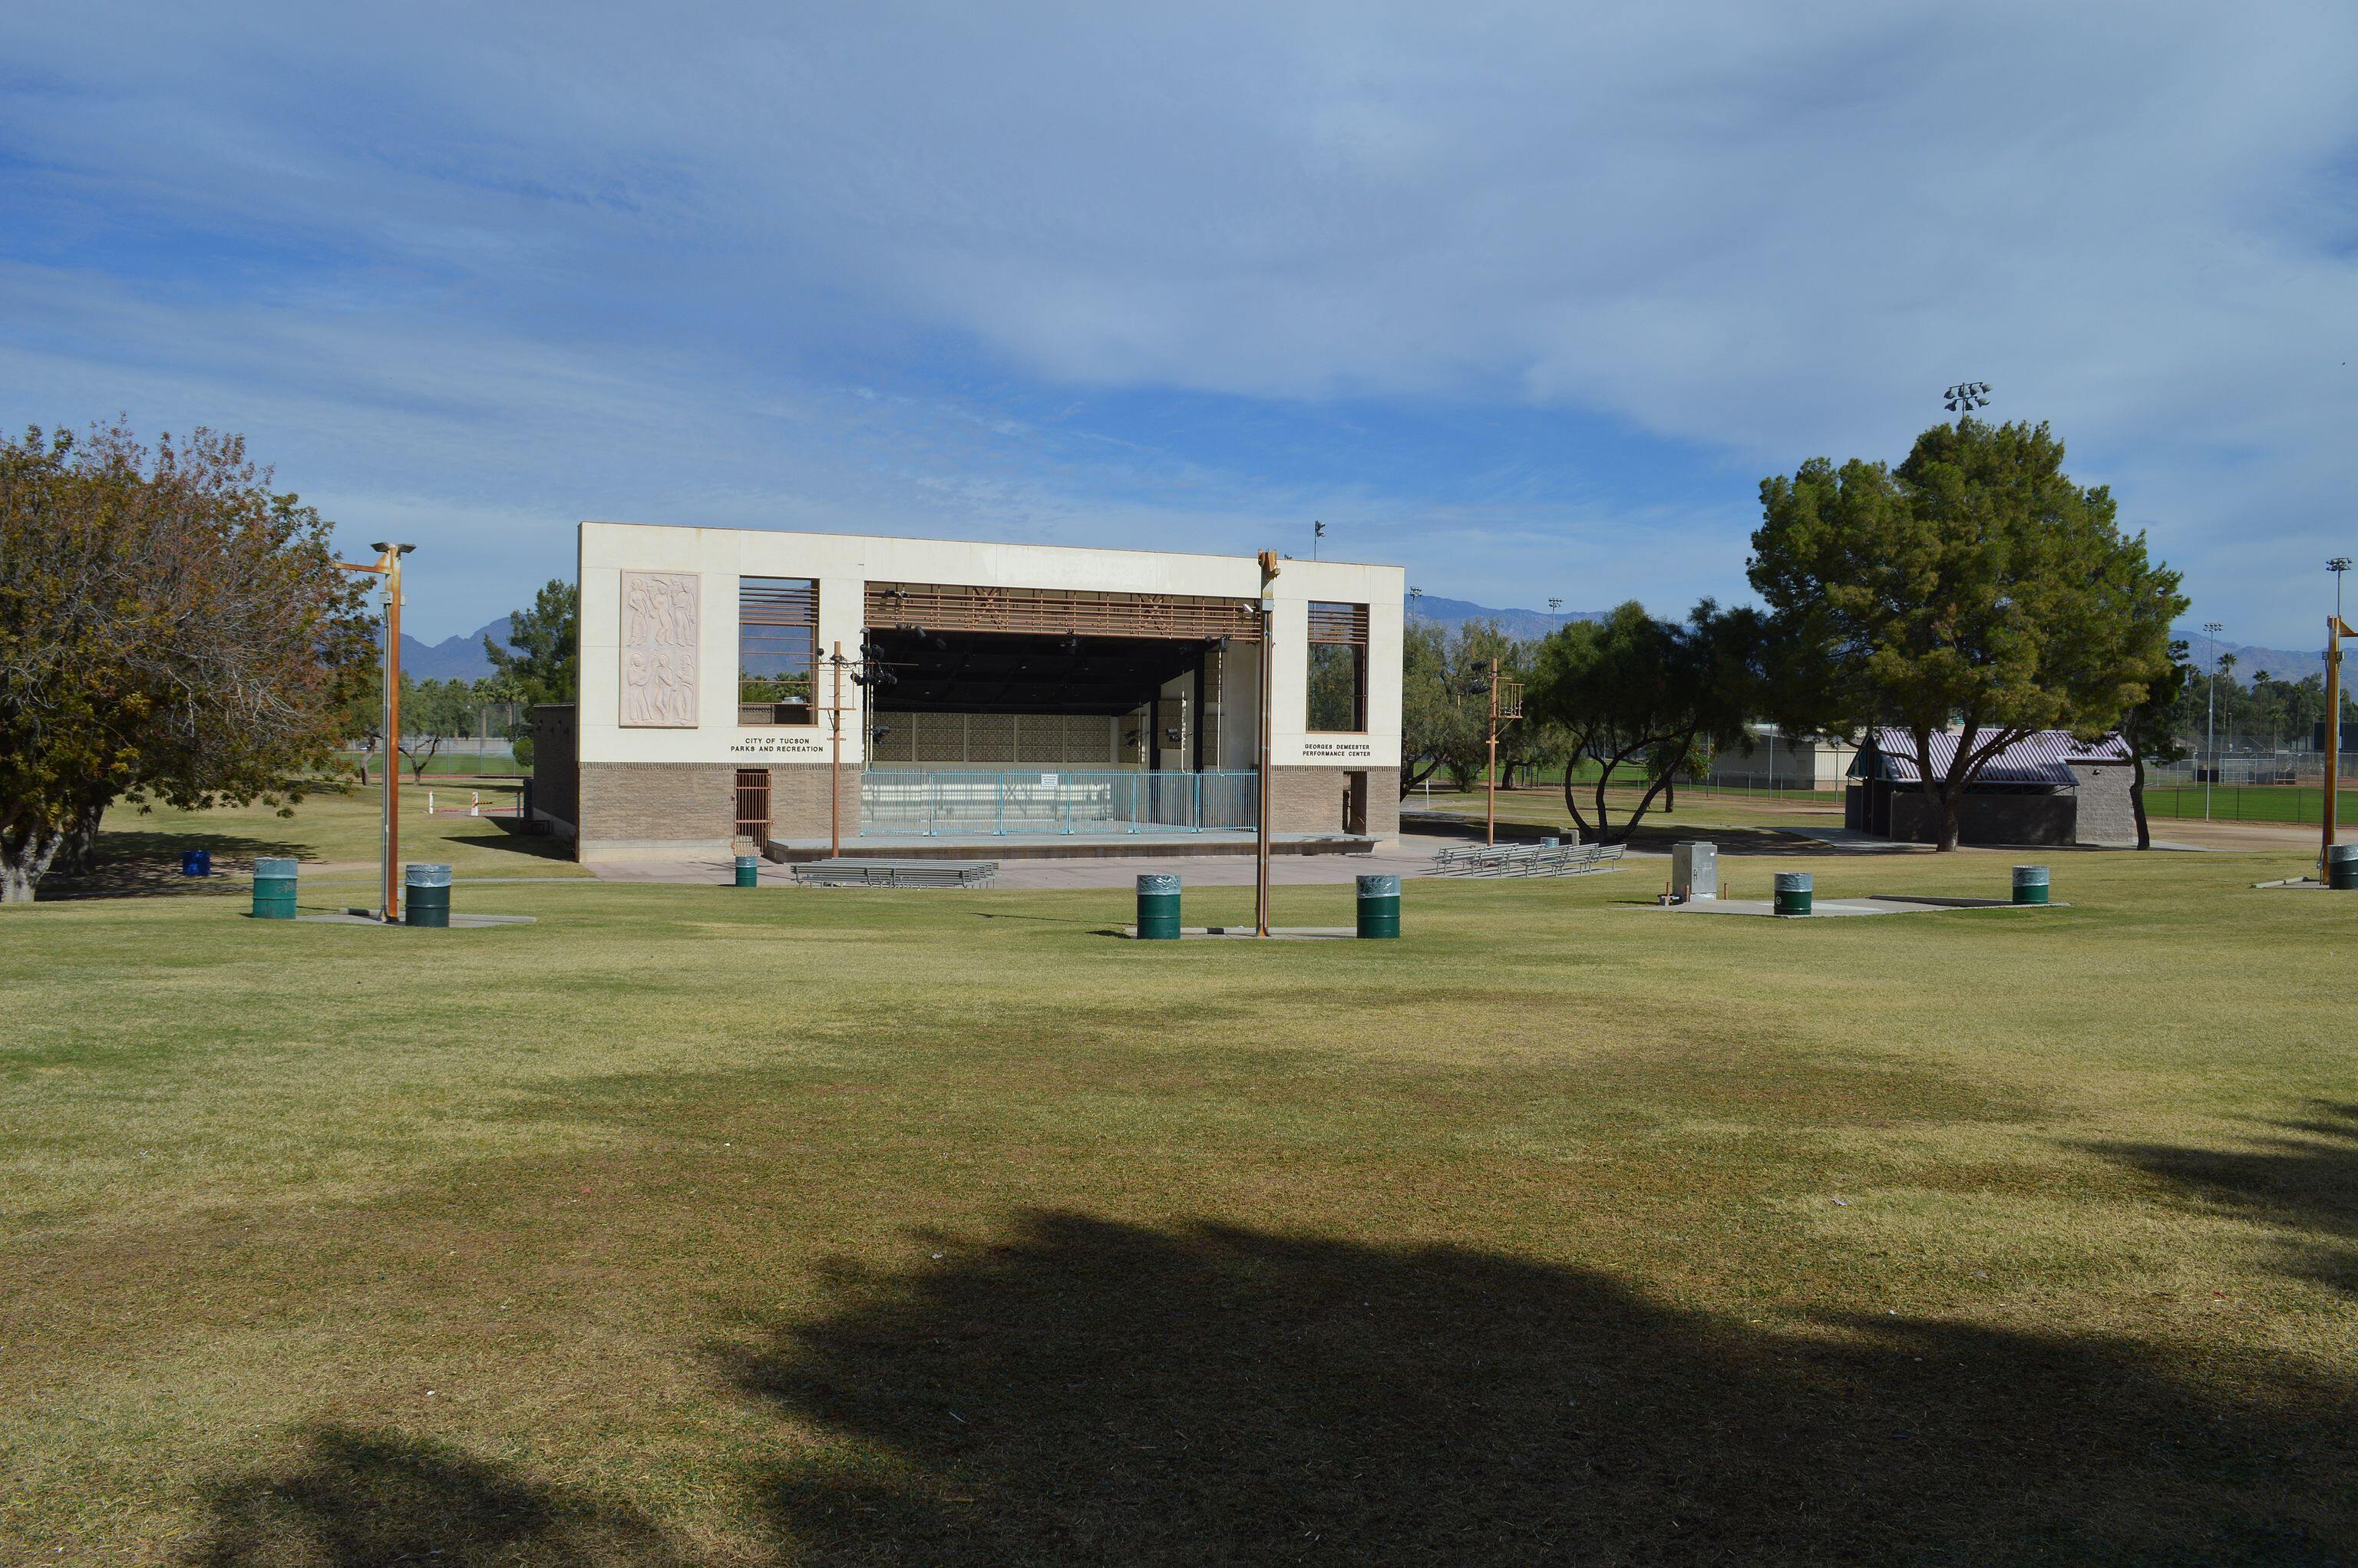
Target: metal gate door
pixel 754 803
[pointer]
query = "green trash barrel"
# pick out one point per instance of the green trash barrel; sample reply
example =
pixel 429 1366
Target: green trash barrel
pixel 1158 907
pixel 749 870
pixel 1793 889
pixel 1380 906
pixel 426 896
pixel 2342 866
pixel 274 887
pixel 2030 884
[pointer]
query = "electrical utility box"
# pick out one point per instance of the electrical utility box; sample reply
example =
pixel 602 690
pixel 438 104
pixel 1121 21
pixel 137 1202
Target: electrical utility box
pixel 1694 871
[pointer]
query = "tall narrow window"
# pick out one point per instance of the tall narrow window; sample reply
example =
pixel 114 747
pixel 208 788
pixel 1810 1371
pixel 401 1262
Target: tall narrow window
pixel 1338 669
pixel 777 649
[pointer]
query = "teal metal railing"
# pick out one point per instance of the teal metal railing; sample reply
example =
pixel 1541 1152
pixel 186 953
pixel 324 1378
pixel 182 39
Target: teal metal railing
pixel 898 801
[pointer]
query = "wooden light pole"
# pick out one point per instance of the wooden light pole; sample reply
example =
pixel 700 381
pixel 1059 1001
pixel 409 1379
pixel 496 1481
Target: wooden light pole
pixel 1505 703
pixel 1491 775
pixel 835 762
pixel 1267 685
pixel 388 566
pixel 2335 630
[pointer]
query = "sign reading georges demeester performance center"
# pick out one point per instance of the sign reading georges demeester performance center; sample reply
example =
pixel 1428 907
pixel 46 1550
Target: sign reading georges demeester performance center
pixel 1132 679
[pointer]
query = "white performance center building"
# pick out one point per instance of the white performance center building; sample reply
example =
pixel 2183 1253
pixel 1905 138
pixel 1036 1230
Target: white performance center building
pixel 1007 698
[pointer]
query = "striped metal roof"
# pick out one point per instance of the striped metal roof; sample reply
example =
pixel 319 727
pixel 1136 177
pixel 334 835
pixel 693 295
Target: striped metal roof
pixel 2045 757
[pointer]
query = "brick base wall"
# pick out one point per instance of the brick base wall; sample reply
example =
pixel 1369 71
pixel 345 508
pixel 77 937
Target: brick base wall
pixel 627 805
pixel 798 800
pixel 1310 800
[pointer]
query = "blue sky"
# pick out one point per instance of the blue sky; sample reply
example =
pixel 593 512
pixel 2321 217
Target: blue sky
pixel 1527 299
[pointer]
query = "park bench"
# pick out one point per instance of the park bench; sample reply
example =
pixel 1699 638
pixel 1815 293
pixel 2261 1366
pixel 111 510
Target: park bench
pixel 895 873
pixel 1526 859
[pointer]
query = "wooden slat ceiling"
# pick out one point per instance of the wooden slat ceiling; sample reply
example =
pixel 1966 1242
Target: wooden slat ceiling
pixel 949 607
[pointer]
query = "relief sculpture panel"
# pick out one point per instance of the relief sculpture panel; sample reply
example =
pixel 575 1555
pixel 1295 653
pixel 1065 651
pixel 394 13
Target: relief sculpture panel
pixel 659 649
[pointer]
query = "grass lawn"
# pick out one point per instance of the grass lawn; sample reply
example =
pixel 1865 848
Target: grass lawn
pixel 336 833
pixel 2250 802
pixel 1697 809
pixel 700 1226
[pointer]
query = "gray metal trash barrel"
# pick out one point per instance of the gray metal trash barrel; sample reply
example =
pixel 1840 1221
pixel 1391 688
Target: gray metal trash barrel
pixel 2030 884
pixel 274 887
pixel 426 896
pixel 749 870
pixel 1158 907
pixel 1380 906
pixel 2342 866
pixel 1793 889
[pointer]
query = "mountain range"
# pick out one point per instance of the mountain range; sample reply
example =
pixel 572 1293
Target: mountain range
pixel 452 658
pixel 2282 663
pixel 1452 613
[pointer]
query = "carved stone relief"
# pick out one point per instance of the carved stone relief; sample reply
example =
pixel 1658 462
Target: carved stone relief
pixel 659 649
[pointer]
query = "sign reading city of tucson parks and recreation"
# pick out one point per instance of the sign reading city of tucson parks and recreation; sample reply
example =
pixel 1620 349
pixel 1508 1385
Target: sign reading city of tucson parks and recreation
pixel 811 744
pixel 659 630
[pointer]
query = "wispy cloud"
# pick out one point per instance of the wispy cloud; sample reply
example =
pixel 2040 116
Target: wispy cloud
pixel 1528 301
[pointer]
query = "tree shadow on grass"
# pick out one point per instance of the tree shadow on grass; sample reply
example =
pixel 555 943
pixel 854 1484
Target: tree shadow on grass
pixel 2303 1178
pixel 530 846
pixel 1093 1391
pixel 369 1498
pixel 141 860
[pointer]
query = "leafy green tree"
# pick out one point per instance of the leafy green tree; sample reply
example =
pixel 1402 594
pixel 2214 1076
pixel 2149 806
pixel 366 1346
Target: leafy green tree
pixel 1642 696
pixel 542 660
pixel 1429 714
pixel 433 712
pixel 1974 586
pixel 171 629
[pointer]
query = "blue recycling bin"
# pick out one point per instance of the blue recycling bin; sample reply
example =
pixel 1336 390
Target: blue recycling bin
pixel 196 862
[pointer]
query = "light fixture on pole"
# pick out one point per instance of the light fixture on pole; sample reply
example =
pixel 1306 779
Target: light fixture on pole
pixel 1317 532
pixel 1965 397
pixel 2210 719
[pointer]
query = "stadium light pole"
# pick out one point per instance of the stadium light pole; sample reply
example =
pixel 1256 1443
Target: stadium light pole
pixel 1965 397
pixel 2210 718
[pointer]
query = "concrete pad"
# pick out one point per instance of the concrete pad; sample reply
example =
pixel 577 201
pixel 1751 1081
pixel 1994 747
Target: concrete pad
pixel 1276 932
pixel 1878 903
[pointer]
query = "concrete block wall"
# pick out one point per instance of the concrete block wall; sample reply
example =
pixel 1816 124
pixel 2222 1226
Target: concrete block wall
pixel 557 766
pixel 2033 819
pixel 2107 815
